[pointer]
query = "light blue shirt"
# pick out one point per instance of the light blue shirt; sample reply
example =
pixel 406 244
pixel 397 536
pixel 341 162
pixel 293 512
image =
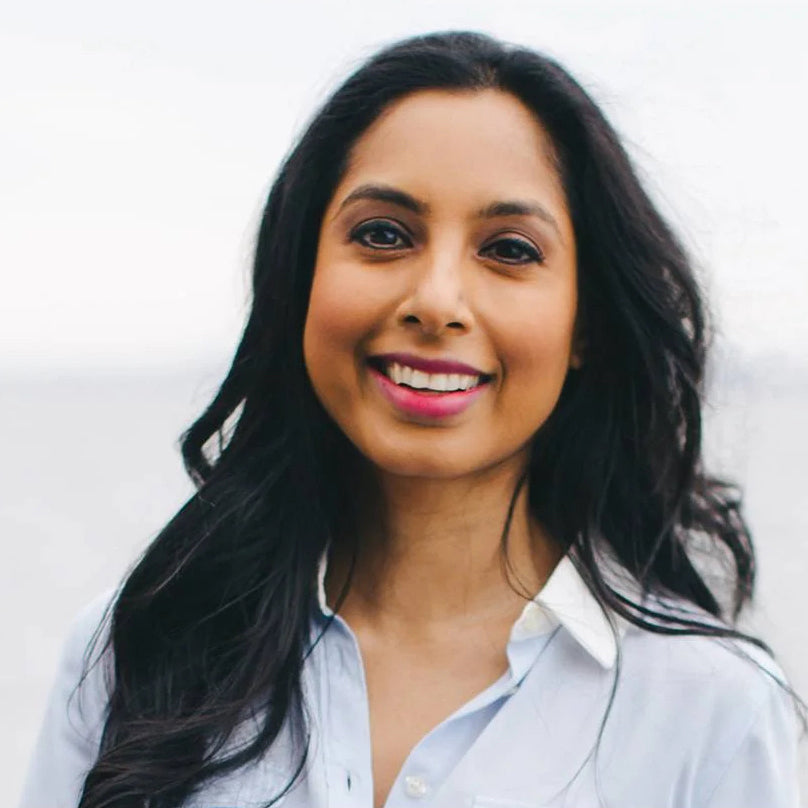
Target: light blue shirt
pixel 693 723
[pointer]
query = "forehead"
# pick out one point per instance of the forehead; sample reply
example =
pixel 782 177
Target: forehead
pixel 458 146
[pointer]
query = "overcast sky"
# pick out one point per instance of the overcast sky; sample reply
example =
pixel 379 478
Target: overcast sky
pixel 138 141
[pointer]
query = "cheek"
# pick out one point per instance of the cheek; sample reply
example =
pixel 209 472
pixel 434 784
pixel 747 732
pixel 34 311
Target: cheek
pixel 536 347
pixel 328 324
pixel 337 323
pixel 539 322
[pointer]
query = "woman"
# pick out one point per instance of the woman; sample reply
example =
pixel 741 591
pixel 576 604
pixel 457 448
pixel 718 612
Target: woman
pixel 450 499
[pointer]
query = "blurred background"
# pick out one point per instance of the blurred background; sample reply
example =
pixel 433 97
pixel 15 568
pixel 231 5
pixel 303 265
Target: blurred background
pixel 137 144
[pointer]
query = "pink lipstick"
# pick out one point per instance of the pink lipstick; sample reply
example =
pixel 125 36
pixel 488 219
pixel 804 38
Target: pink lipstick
pixel 426 403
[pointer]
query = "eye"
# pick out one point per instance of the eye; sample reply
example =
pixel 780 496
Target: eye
pixel 513 251
pixel 380 234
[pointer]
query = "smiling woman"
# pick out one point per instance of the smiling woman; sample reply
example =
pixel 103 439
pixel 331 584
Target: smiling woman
pixel 453 542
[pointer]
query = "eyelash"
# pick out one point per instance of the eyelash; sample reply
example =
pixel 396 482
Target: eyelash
pixel 530 252
pixel 376 225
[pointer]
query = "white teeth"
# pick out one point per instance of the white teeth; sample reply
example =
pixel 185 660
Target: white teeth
pixel 438 382
pixel 395 372
pixel 420 380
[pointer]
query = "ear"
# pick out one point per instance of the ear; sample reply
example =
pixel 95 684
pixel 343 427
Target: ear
pixel 578 348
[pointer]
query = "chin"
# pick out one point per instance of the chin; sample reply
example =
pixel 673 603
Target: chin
pixel 427 458
pixel 425 468
pixel 437 459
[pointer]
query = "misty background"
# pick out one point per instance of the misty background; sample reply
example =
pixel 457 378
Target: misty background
pixel 136 148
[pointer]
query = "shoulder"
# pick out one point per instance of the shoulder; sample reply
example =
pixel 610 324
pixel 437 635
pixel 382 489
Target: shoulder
pixel 91 621
pixel 711 681
pixel 682 659
pixel 718 710
pixel 86 663
pixel 84 675
pixel 70 734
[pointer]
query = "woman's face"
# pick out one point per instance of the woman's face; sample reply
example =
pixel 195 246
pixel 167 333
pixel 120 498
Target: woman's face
pixel 441 323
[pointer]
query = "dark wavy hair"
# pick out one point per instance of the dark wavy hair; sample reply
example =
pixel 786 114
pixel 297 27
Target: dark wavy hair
pixel 212 626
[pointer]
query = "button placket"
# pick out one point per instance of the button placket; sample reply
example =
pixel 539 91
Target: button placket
pixel 349 740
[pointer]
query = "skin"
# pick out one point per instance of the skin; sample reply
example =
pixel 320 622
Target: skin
pixel 430 601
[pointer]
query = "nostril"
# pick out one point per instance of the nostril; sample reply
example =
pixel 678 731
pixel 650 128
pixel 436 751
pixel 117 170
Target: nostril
pixel 454 324
pixel 411 318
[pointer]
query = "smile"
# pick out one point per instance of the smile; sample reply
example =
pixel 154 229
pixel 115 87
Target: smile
pixel 432 382
pixel 427 388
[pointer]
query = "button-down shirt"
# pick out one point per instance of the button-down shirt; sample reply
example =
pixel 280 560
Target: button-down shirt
pixel 591 712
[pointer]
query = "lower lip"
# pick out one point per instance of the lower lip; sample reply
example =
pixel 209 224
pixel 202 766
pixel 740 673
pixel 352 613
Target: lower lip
pixel 426 405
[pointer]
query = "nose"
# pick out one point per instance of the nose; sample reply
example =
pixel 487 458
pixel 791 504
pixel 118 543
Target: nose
pixel 437 300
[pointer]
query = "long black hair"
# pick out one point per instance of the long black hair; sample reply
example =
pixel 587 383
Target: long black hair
pixel 212 626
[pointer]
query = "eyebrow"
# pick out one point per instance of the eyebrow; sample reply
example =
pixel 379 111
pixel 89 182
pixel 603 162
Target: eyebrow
pixel 394 196
pixel 386 193
pixel 517 207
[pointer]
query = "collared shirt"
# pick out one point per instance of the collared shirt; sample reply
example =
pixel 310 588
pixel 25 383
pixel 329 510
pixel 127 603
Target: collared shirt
pixel 591 712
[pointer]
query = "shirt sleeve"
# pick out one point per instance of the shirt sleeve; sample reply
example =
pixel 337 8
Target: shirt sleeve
pixel 70 734
pixel 763 769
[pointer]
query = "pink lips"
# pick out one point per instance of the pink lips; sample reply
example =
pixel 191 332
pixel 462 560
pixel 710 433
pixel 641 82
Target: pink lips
pixel 427 405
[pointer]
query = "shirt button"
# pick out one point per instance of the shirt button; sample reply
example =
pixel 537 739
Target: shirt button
pixel 415 786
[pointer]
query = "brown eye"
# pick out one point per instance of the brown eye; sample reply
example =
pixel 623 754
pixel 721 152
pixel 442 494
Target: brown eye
pixel 512 251
pixel 380 235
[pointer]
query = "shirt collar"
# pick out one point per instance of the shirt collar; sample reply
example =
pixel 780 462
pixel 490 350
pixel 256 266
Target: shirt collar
pixel 565 599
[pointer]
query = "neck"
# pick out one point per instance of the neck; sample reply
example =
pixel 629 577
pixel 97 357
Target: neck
pixel 439 557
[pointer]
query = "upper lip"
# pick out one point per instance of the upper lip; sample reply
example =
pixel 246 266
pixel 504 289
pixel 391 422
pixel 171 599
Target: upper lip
pixel 427 365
